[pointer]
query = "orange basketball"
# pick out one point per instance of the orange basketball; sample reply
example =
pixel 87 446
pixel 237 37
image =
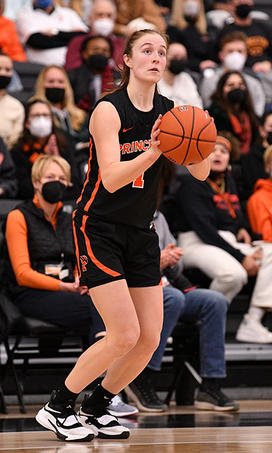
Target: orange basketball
pixel 187 135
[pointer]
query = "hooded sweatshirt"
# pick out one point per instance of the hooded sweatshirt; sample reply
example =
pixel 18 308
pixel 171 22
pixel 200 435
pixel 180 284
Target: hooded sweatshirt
pixel 259 209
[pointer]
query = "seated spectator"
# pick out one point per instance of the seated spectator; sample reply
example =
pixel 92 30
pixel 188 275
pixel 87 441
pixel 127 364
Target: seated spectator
pixel 233 55
pixel 8 183
pixel 176 83
pixel 40 136
pixel 128 12
pixel 40 244
pixel 183 301
pixel 258 32
pixel 188 27
pixel 252 164
pixel 95 76
pixel 53 85
pixel 259 214
pixel 12 111
pixel 260 202
pixel 9 41
pixel 101 22
pixel 214 239
pixel 232 109
pixel 45 30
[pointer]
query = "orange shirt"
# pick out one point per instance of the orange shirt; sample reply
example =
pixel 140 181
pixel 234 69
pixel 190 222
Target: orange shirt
pixel 9 41
pixel 16 236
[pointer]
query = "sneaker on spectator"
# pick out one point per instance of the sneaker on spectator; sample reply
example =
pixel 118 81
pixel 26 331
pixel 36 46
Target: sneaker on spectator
pixel 101 422
pixel 214 399
pixel 252 331
pixel 63 421
pixel 143 394
pixel 118 408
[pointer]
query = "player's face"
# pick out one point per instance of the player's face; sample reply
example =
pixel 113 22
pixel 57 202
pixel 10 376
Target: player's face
pixel 148 59
pixel 219 158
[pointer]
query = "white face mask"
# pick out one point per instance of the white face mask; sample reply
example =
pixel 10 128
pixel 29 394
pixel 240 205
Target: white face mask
pixel 191 8
pixel 103 27
pixel 41 126
pixel 235 61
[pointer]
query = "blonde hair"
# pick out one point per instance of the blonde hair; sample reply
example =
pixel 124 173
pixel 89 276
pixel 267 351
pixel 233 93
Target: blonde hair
pixel 77 115
pixel 177 16
pixel 267 155
pixel 42 163
pixel 76 5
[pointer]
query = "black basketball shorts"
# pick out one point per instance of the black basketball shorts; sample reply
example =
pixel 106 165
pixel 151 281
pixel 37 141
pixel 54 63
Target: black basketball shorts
pixel 107 252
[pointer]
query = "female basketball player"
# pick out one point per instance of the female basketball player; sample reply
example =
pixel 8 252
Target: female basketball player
pixel 116 245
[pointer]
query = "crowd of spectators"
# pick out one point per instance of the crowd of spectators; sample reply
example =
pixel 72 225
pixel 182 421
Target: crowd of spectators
pixel 219 58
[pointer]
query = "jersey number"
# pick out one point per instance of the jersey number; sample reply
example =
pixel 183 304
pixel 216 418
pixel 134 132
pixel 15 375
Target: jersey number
pixel 138 183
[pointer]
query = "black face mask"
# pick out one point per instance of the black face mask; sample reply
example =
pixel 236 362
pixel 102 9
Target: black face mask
pixel 53 191
pixel 4 81
pixel 98 62
pixel 190 19
pixel 215 174
pixel 236 96
pixel 243 10
pixel 55 95
pixel 269 138
pixel 177 66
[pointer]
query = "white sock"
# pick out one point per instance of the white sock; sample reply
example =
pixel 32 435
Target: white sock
pixel 256 313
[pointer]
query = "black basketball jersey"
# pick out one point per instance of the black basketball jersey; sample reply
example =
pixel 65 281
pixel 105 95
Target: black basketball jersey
pixel 135 203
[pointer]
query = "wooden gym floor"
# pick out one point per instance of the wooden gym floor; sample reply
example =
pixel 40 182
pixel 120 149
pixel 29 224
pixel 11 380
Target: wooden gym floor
pixel 181 429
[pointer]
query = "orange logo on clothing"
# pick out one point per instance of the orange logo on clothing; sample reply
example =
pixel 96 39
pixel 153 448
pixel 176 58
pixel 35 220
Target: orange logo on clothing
pixel 84 262
pixel 256 45
pixel 136 146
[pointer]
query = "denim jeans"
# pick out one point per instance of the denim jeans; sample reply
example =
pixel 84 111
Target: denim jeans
pixel 204 305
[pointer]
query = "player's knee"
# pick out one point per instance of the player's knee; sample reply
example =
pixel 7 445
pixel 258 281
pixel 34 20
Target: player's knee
pixel 150 342
pixel 123 343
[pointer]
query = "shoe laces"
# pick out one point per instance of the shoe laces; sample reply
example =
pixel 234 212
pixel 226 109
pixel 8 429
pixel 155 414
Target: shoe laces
pixel 217 394
pixel 117 401
pixel 148 391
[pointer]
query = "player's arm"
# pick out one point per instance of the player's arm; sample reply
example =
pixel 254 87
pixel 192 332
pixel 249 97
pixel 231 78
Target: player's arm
pixel 104 127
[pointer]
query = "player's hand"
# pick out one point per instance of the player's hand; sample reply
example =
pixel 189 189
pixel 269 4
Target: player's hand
pixel 154 135
pixel 251 265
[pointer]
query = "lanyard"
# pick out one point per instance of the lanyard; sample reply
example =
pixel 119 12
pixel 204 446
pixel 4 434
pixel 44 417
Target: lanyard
pixel 224 195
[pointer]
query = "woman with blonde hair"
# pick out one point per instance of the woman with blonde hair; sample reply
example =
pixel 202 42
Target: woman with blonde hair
pixel 54 86
pixel 188 26
pixel 81 7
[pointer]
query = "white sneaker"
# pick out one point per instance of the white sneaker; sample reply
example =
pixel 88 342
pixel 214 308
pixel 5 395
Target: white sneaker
pixel 252 331
pixel 102 423
pixel 64 423
pixel 118 408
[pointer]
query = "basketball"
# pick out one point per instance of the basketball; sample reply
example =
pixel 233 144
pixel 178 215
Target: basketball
pixel 187 135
